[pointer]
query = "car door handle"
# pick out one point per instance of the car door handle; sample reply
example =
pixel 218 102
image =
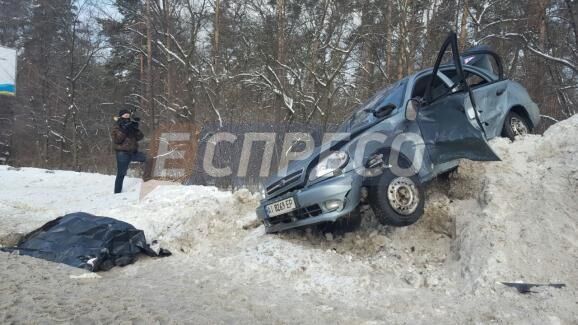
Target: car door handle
pixel 499 92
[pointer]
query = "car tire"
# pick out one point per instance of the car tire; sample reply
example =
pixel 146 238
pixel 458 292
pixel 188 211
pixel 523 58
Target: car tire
pixel 348 223
pixel 515 125
pixel 397 201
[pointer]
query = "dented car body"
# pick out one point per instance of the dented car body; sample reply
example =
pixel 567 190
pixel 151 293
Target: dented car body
pixel 398 140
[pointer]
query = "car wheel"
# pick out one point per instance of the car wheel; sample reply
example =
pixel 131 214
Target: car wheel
pixel 515 125
pixel 347 223
pixel 396 200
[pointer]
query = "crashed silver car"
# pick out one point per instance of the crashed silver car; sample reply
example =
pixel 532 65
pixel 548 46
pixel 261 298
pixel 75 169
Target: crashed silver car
pixel 404 136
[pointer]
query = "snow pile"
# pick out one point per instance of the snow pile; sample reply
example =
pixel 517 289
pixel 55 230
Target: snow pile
pixel 523 223
pixel 184 217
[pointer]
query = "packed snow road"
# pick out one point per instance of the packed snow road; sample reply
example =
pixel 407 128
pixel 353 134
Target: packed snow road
pixel 508 221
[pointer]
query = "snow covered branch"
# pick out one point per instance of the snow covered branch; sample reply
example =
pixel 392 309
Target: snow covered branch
pixel 533 49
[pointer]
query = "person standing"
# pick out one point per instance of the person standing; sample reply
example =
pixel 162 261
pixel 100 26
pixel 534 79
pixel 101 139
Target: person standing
pixel 125 135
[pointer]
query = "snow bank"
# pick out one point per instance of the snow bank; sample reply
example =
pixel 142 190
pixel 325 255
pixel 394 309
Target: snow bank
pixel 522 225
pixel 184 217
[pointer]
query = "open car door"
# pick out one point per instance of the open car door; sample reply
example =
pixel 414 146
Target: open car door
pixel 449 122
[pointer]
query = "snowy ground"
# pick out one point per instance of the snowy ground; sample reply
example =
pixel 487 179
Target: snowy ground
pixel 514 220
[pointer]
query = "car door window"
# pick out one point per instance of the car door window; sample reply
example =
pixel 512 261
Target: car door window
pixel 473 79
pixel 439 87
pixel 482 57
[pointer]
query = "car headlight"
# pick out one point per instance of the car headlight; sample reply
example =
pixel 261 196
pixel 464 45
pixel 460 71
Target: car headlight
pixel 329 165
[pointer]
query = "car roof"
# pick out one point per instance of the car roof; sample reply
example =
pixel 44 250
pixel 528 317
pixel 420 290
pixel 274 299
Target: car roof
pixel 484 72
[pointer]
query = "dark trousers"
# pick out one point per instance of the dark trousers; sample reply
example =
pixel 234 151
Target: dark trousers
pixel 123 159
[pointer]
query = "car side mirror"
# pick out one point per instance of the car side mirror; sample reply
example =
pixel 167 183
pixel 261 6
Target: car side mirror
pixel 384 110
pixel 411 110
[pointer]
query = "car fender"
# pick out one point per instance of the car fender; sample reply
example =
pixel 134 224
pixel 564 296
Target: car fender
pixel 520 102
pixel 388 158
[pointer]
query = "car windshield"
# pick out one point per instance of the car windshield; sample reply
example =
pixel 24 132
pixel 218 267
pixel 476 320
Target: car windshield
pixel 391 94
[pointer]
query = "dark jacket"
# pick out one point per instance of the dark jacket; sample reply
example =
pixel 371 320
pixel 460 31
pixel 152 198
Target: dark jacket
pixel 126 141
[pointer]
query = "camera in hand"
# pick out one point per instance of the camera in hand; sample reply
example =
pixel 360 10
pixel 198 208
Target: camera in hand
pixel 130 124
pixel 134 122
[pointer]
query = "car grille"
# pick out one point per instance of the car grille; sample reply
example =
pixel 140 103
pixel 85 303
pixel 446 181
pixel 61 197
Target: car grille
pixel 284 184
pixel 303 213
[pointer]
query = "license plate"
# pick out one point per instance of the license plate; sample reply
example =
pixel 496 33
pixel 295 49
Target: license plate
pixel 280 207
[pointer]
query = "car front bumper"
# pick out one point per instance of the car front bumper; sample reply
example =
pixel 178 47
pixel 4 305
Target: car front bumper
pixel 310 203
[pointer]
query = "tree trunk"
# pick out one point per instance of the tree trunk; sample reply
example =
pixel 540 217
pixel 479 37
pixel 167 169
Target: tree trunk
pixel 365 71
pixel 401 39
pixel 72 98
pixel 281 51
pixel 573 10
pixel 281 55
pixel 149 91
pixel 537 26
pixel 388 40
pixel 168 31
pixel 464 25
pixel 216 33
pixel 411 20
